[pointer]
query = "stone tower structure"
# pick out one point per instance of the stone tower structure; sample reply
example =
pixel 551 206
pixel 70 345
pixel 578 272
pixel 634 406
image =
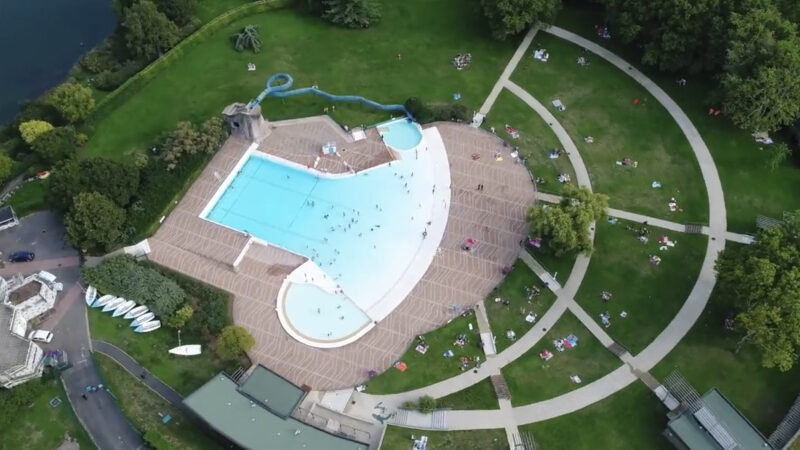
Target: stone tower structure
pixel 246 123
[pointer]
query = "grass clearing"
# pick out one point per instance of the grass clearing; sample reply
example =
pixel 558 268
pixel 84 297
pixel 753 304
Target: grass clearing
pixel 432 366
pixel 706 358
pixel 150 351
pixel 398 438
pixel 536 139
pixel 560 267
pixel 40 426
pixel 212 74
pixel 514 289
pixel 599 101
pixel 750 187
pixel 145 409
pixel 630 419
pixel 480 395
pixel 30 198
pixel 531 379
pixel 651 295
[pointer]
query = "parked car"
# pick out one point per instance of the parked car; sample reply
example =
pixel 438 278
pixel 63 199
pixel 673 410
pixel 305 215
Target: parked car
pixel 41 336
pixel 21 256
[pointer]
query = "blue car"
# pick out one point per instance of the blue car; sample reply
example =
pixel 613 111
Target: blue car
pixel 21 257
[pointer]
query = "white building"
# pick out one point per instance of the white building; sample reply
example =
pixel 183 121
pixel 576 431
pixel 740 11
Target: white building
pixel 24 299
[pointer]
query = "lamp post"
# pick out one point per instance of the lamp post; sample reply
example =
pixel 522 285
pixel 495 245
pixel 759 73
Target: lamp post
pixel 179 337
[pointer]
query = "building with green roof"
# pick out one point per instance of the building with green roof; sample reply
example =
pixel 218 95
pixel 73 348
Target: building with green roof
pixel 714 424
pixel 257 414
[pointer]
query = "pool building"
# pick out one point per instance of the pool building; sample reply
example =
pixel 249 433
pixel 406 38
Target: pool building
pixel 341 246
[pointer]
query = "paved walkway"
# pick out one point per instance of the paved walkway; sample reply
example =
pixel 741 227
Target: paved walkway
pixel 136 370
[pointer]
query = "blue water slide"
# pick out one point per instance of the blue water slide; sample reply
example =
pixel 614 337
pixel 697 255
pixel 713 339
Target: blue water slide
pixel 273 89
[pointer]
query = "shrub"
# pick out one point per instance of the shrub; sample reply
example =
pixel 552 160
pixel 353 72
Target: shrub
pixel 426 404
pixel 6 166
pixel 233 341
pixel 187 139
pixel 94 222
pixel 247 39
pixel 100 59
pixel 108 80
pixel 124 277
pixel 351 13
pixel 432 112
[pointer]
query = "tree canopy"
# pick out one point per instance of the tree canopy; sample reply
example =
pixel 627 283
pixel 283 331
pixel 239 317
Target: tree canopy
pixel 188 139
pixel 233 341
pixel 94 222
pixel 565 226
pixel 511 17
pixel 148 31
pixel 763 280
pixel 55 145
pixel 117 181
pixel 248 39
pixel 6 164
pixel 179 11
pixel 351 13
pixel 32 129
pixel 762 89
pixel 73 101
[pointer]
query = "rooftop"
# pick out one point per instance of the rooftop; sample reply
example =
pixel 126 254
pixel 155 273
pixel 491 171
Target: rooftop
pixel 730 429
pixel 272 391
pixel 13 349
pixel 220 404
pixel 6 214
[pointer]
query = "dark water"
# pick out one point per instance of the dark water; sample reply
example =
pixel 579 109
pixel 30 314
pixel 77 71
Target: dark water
pixel 40 40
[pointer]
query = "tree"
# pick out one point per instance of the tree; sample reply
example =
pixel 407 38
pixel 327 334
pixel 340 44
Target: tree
pixel 117 181
pixel 186 139
pixel 763 280
pixel 180 317
pixel 248 39
pixel 778 153
pixel 73 101
pixel 351 13
pixel 511 17
pixel 233 341
pixel 32 129
pixel 55 145
pixel 94 222
pixel 675 36
pixel 148 32
pixel 760 83
pixel 565 226
pixel 179 11
pixel 6 164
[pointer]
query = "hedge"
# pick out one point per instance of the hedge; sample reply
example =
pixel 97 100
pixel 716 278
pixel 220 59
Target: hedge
pixel 124 277
pixel 136 82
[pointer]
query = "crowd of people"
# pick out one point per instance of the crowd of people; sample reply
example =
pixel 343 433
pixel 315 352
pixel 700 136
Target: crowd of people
pixel 462 61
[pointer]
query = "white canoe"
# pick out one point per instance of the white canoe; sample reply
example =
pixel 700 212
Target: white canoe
pixel 186 350
pixel 136 312
pixel 148 326
pixel 91 295
pixel 124 308
pixel 142 319
pixel 114 304
pixel 102 301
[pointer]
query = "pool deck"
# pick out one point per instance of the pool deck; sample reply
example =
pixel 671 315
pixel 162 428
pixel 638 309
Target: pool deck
pixel 495 217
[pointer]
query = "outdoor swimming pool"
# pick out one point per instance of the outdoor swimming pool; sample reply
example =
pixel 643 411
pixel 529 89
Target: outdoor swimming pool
pixel 362 230
pixel 400 134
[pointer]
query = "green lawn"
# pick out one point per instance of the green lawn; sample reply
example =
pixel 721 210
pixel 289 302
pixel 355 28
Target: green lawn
pixel 514 288
pixel 184 374
pixel 706 358
pixel 599 101
pixel 145 409
pixel 651 295
pixel 432 366
pixel 748 193
pixel 30 198
pixel 397 438
pixel 40 426
pixel 536 139
pixel 211 74
pixel 630 419
pixel 531 379
pixel 480 395
pixel 559 267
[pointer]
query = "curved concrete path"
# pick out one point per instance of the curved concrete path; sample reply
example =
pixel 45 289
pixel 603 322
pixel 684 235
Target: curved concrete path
pixel 664 342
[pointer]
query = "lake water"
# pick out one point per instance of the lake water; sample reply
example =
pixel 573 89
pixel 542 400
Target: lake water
pixel 40 40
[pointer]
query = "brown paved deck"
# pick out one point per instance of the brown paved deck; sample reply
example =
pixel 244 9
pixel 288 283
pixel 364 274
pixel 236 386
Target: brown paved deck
pixel 495 217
